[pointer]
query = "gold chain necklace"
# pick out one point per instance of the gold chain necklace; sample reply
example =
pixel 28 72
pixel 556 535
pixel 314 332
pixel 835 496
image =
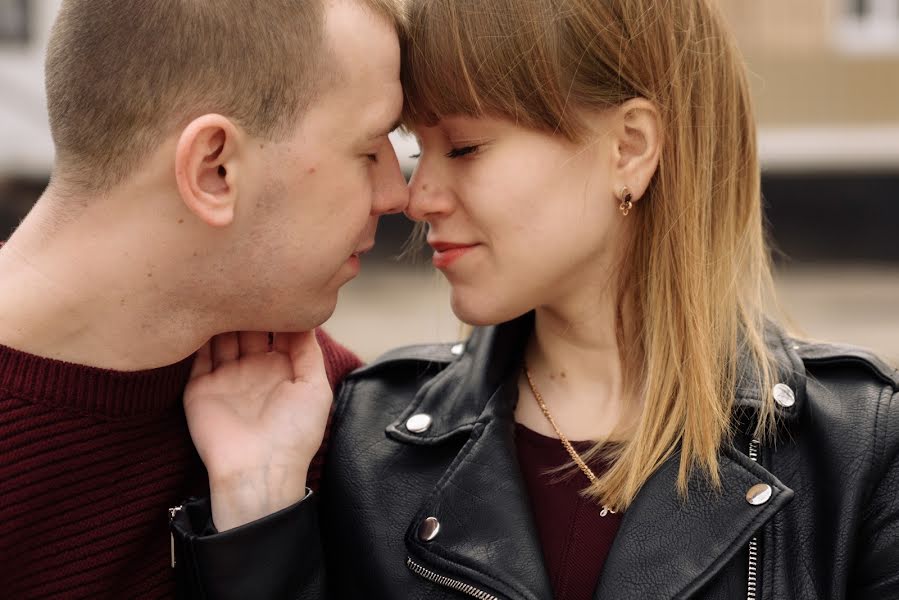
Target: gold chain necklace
pixel 571 451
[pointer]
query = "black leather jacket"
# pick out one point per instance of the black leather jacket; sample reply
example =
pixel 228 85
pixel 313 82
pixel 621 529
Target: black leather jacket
pixel 827 525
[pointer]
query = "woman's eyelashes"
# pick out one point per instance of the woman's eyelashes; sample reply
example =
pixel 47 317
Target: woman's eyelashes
pixel 455 152
pixel 463 151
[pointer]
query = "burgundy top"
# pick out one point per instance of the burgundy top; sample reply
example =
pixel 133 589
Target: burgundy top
pixel 90 460
pixel 575 538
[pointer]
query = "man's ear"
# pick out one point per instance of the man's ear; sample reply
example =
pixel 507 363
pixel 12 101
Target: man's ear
pixel 207 168
pixel 637 134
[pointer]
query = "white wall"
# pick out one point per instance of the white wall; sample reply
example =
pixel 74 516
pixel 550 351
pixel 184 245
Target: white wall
pixel 26 147
pixel 25 144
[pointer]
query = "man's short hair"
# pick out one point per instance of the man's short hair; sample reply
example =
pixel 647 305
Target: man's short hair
pixel 123 74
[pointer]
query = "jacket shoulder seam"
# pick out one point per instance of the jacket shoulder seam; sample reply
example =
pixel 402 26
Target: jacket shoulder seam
pixel 439 354
pixel 824 354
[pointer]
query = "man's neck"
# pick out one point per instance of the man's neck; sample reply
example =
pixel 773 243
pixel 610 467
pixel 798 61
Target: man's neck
pixel 92 293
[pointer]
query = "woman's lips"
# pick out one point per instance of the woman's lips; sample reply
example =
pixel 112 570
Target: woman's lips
pixel 446 254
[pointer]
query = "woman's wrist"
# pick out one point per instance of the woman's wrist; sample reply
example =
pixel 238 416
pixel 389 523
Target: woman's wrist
pixel 244 498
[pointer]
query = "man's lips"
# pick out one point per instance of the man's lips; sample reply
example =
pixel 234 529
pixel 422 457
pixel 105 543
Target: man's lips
pixel 355 259
pixel 364 250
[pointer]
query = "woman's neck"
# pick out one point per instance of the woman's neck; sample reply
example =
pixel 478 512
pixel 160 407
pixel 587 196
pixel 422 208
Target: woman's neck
pixel 575 360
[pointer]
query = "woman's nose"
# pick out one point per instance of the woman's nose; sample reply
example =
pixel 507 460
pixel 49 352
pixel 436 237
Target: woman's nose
pixel 428 195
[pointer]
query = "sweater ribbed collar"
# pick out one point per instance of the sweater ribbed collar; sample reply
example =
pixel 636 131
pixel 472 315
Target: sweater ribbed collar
pixel 89 390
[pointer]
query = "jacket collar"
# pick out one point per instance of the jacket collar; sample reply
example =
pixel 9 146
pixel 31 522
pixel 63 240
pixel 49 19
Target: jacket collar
pixel 665 547
pixel 456 397
pixel 788 370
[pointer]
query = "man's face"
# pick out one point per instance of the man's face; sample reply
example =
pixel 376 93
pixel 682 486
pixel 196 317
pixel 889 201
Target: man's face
pixel 329 182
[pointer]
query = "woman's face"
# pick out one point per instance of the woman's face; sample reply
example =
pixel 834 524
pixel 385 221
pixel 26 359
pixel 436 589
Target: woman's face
pixel 518 219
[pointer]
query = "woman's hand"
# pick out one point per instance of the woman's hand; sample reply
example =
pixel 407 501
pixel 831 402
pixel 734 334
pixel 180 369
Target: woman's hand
pixel 257 414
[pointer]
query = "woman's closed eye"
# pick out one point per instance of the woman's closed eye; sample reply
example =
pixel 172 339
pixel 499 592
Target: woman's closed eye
pixel 463 151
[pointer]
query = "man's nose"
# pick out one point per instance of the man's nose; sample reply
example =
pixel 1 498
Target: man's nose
pixel 391 192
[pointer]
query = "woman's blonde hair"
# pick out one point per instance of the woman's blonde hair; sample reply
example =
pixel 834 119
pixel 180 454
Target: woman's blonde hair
pixel 696 278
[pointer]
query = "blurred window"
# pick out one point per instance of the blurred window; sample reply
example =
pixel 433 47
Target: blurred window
pixel 14 21
pixel 860 8
pixel 869 26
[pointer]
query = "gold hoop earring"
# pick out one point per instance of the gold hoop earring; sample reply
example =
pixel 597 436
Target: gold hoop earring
pixel 627 202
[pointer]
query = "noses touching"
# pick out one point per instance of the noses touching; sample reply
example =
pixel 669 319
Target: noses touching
pixel 390 194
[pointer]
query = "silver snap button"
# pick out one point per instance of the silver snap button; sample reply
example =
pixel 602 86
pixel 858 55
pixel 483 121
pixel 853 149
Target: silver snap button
pixel 428 529
pixel 784 396
pixel 759 494
pixel 457 350
pixel 419 423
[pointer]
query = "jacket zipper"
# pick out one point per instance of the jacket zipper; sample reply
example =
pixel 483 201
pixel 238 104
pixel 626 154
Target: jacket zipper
pixel 453 584
pixel 172 512
pixel 752 583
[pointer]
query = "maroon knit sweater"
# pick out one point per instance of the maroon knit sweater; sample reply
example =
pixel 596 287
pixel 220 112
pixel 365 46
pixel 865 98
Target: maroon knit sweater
pixel 90 460
pixel 576 539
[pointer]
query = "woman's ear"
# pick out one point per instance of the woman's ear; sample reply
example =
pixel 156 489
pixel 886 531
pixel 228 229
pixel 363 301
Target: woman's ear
pixel 637 134
pixel 207 169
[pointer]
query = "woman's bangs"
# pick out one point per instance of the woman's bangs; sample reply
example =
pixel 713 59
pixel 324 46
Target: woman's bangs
pixel 440 77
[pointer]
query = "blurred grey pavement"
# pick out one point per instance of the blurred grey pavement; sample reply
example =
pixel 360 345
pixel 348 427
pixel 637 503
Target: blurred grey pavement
pixel 391 305
pixel 826 98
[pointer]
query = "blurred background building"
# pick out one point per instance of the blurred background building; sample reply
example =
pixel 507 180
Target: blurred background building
pixel 825 78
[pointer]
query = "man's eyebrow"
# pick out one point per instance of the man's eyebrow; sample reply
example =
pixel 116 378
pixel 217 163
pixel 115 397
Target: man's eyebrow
pixel 383 132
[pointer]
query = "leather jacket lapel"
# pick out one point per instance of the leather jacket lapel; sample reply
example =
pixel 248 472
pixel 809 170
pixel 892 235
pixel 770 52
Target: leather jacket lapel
pixel 487 537
pixel 668 548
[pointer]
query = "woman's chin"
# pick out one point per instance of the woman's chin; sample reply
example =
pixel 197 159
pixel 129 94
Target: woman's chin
pixel 482 313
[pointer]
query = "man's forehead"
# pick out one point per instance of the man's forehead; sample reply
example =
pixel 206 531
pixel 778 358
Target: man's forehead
pixel 360 41
pixel 384 115
pixel 354 69
pixel 361 70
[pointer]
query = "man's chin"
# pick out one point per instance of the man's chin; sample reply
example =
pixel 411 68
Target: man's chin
pixel 310 315
pixel 326 311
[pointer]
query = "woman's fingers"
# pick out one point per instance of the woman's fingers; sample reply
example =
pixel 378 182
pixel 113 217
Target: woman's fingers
pixel 225 348
pixel 202 361
pixel 306 357
pixel 282 343
pixel 253 342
